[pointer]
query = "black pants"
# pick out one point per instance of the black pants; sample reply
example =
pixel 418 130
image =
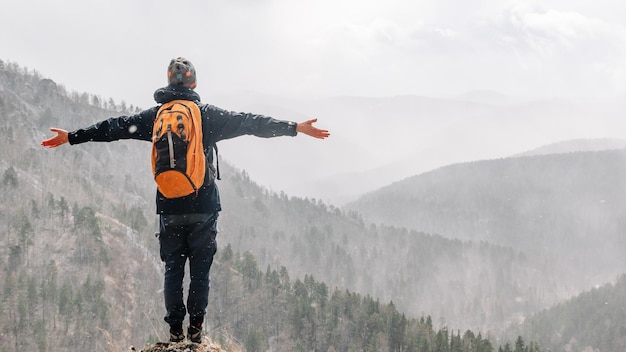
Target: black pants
pixel 182 237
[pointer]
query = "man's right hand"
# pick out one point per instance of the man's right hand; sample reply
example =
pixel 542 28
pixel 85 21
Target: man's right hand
pixel 59 139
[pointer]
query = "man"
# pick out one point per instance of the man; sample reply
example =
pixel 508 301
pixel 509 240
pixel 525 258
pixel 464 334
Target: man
pixel 187 224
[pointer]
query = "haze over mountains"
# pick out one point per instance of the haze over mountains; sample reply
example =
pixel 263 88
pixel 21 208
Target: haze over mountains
pixel 377 141
pixel 567 206
pixel 476 245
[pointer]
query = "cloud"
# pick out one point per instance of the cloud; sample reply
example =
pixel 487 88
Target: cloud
pixel 547 31
pixel 520 48
pixel 323 48
pixel 565 49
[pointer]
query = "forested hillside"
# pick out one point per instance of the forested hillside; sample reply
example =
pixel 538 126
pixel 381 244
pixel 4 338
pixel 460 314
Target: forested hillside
pixel 276 312
pixel 458 282
pixel 80 266
pixel 81 270
pixel 591 321
pixel 565 208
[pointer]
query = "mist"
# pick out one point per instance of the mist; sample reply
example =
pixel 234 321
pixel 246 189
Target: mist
pixel 448 81
pixel 405 89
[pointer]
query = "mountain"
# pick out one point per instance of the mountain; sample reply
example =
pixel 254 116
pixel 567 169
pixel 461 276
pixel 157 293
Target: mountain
pixel 365 133
pixel 81 268
pixel 484 96
pixel 418 271
pixel 76 261
pixel 578 145
pixel 567 207
pixel 379 140
pixel 591 321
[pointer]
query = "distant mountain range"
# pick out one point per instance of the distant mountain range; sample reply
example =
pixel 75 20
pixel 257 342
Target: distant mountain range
pixel 377 141
pixel 578 145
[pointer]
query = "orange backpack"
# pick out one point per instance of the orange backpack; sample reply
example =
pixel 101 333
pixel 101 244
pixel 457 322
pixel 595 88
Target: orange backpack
pixel 178 159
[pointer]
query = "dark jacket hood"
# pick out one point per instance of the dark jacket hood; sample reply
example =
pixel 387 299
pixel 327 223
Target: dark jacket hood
pixel 174 92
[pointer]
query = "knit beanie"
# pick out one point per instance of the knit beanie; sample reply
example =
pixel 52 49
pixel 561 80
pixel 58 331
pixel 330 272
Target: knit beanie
pixel 181 72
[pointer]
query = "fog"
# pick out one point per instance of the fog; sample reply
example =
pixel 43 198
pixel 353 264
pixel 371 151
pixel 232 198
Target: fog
pixel 404 87
pixel 534 72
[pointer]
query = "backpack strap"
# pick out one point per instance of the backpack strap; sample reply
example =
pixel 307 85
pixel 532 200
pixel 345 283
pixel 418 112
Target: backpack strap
pixel 217 161
pixel 217 157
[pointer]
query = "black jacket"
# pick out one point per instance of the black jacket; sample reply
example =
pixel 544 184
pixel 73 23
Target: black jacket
pixel 217 124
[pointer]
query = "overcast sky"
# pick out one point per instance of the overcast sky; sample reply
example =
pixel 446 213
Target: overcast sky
pixel 120 49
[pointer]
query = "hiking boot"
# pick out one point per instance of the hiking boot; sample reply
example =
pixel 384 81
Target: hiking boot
pixel 177 335
pixel 194 333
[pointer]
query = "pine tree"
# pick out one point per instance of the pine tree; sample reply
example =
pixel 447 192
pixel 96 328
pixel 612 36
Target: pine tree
pixel 10 177
pixel 519 345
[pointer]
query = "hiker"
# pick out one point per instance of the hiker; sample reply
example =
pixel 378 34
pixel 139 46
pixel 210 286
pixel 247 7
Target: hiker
pixel 188 224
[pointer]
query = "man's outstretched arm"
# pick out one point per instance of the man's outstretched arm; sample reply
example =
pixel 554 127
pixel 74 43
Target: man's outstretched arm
pixel 307 128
